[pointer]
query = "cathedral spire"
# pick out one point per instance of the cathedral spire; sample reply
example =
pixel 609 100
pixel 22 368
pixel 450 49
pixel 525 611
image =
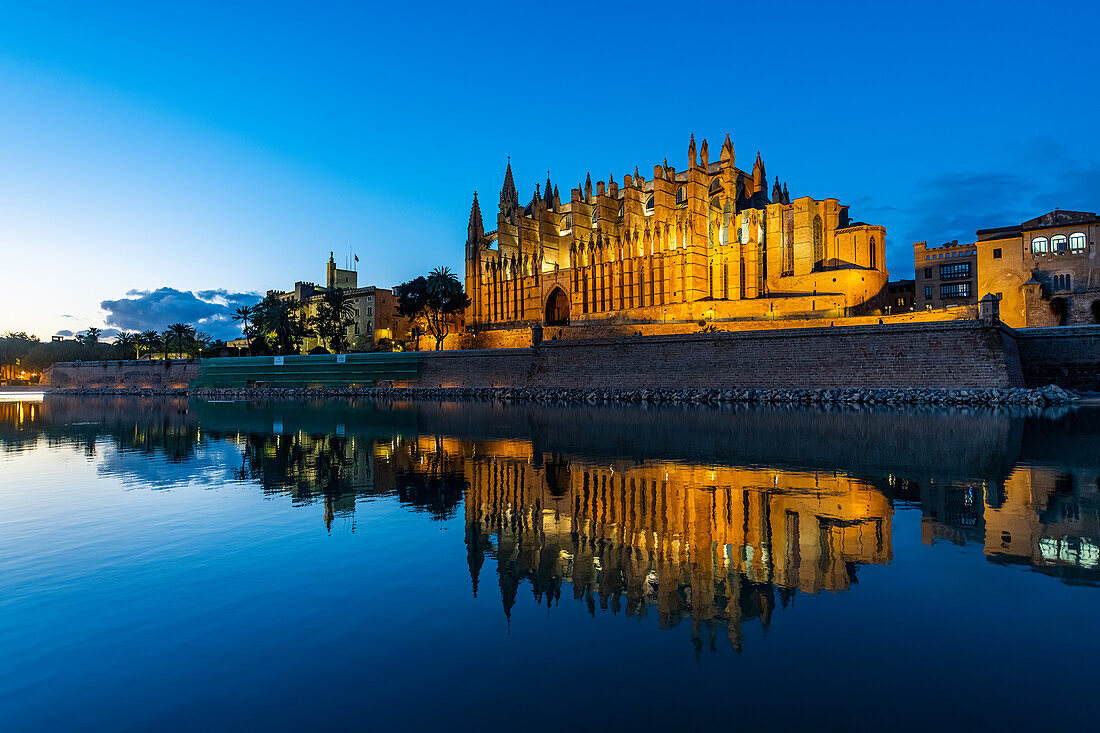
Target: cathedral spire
pixel 547 192
pixel 727 151
pixel 691 151
pixel 777 192
pixel 786 195
pixel 704 155
pixel 475 230
pixel 509 197
pixel 759 177
pixel 588 187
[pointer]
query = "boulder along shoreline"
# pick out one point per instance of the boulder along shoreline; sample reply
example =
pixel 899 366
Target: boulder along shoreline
pixel 1049 395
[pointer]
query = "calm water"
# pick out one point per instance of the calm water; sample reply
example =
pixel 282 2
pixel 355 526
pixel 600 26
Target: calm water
pixel 167 563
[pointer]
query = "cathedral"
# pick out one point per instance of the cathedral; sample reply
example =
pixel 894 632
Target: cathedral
pixel 706 245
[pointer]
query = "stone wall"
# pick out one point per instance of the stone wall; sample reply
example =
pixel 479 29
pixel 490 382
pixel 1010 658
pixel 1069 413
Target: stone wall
pixel 613 328
pixel 955 354
pixel 1068 356
pixel 149 374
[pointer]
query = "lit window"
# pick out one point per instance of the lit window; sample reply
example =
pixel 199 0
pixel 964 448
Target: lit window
pixel 1039 245
pixel 955 290
pixel 928 292
pixel 1077 242
pixel 1058 243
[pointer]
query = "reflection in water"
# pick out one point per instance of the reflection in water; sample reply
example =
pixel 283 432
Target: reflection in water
pixel 712 517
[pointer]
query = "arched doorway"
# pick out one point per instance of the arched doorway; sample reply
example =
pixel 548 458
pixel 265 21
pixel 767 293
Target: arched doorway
pixel 557 308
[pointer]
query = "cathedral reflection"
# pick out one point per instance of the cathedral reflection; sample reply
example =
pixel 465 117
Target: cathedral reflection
pixel 717 522
pixel 716 546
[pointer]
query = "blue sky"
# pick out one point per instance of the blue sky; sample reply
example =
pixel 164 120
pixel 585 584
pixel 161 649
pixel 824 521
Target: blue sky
pixel 193 153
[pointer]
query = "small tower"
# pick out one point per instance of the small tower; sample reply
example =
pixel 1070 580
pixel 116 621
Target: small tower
pixel 691 152
pixel 588 187
pixel 727 152
pixel 475 229
pixel 330 272
pixel 704 155
pixel 509 197
pixel 777 192
pixel 759 178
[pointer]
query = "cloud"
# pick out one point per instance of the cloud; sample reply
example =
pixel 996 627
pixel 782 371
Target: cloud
pixel 209 311
pixel 954 205
pixel 65 333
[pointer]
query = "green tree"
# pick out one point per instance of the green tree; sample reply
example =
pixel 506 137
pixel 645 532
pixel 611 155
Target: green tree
pixel 433 301
pixel 283 323
pixel 335 313
pixel 181 334
pixel 247 316
pixel 91 336
pixel 149 341
pixel 126 344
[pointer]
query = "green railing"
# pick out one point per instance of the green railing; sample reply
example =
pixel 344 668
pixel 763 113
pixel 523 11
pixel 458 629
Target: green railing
pixel 322 370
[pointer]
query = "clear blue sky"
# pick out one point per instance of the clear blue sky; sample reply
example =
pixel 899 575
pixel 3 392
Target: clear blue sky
pixel 199 148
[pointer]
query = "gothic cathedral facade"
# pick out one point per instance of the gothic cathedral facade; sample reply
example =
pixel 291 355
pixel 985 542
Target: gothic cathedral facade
pixel 704 245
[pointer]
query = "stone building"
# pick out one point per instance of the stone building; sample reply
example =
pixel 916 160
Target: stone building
pixel 709 243
pixel 1045 271
pixel 375 308
pixel 899 297
pixel 945 275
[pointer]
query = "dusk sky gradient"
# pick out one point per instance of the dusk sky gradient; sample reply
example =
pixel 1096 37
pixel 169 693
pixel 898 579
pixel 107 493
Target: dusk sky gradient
pixel 219 150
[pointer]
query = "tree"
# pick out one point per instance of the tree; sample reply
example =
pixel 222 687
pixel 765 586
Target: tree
pixel 182 334
pixel 91 336
pixel 148 340
pixel 433 300
pixel 335 313
pixel 247 316
pixel 282 322
pixel 126 343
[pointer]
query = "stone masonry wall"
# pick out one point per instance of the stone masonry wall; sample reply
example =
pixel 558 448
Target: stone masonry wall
pixel 948 355
pixel 1068 356
pixel 159 373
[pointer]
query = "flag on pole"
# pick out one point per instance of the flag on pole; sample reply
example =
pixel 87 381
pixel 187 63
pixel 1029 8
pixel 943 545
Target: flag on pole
pixel 356 258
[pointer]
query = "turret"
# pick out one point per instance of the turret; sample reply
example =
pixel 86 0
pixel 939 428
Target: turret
pixel 759 178
pixel 475 230
pixel 691 152
pixel 704 155
pixel 330 272
pixel 509 197
pixel 727 152
pixel 777 192
pixel 588 187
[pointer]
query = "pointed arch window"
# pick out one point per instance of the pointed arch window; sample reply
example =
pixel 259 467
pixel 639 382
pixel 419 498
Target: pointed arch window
pixel 873 253
pixel 649 206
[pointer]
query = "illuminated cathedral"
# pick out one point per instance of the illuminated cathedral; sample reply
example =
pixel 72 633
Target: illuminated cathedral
pixel 710 243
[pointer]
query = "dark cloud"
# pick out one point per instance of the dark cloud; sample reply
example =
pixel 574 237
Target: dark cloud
pixel 209 311
pixel 65 333
pixel 955 205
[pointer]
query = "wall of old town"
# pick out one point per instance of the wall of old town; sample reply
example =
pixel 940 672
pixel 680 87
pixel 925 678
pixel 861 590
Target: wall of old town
pixel 155 374
pixel 948 355
pixel 1068 356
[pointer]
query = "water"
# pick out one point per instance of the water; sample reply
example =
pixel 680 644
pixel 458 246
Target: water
pixel 168 564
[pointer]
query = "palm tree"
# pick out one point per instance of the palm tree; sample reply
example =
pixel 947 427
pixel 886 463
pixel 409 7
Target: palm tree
pixel 283 321
pixel 126 342
pixel 91 336
pixel 247 315
pixel 181 333
pixel 335 313
pixel 149 340
pixel 198 343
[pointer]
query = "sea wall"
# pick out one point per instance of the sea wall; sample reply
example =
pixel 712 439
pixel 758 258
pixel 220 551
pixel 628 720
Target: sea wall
pixel 947 355
pixel 145 374
pixel 1068 356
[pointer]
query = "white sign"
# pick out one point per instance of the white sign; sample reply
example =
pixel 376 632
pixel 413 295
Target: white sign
pixel 278 361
